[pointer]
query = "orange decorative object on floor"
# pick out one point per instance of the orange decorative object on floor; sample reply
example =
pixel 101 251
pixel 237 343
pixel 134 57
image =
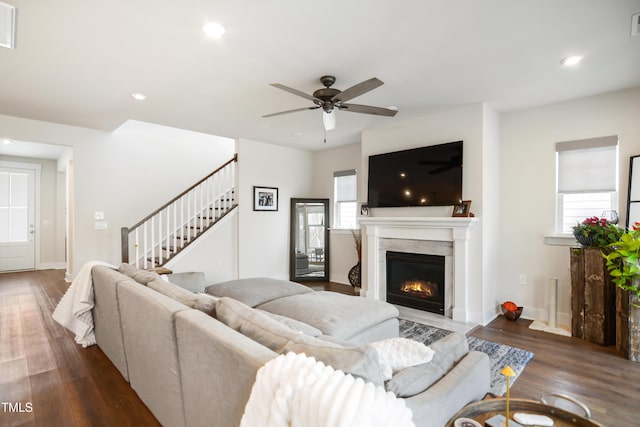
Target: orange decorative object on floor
pixel 511 306
pixel 511 310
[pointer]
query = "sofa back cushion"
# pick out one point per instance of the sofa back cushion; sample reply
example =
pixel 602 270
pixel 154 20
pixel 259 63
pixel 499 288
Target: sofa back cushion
pixel 359 361
pixel 141 276
pixel 106 315
pixel 202 302
pixel 193 281
pixel 218 367
pixel 256 290
pixel 148 325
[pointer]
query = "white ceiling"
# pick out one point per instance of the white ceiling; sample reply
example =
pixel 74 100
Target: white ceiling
pixel 77 62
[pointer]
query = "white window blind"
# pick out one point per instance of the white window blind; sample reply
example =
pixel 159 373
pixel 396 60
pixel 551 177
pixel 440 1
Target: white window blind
pixel 587 177
pixel 587 165
pixel 345 198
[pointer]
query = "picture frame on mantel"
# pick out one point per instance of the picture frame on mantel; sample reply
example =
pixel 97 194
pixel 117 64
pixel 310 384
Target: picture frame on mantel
pixel 265 198
pixel 463 209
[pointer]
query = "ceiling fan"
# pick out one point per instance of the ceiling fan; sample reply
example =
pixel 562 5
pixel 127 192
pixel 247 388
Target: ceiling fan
pixel 329 99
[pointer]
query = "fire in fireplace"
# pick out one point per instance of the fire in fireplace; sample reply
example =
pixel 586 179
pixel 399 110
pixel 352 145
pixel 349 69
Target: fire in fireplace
pixel 416 280
pixel 419 288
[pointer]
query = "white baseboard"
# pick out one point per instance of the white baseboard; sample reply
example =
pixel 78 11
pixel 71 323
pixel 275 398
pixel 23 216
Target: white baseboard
pixel 340 278
pixel 52 266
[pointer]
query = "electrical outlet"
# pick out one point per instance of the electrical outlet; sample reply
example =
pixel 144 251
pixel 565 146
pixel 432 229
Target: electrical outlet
pixel 523 280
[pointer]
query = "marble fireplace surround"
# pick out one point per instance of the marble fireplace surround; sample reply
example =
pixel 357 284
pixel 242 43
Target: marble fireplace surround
pixel 448 237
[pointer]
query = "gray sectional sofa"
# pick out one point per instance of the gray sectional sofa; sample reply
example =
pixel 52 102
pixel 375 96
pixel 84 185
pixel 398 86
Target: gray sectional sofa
pixel 193 358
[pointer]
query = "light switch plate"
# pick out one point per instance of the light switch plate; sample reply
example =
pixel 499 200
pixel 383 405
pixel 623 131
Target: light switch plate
pixel 98 215
pixel 100 225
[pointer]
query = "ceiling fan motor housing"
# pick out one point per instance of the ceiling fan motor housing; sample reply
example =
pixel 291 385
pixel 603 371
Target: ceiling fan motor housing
pixel 326 94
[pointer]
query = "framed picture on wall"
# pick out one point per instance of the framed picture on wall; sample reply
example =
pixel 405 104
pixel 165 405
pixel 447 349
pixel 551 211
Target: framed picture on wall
pixel 462 209
pixel 265 198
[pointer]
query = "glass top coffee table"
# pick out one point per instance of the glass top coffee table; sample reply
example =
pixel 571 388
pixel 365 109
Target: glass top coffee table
pixel 485 409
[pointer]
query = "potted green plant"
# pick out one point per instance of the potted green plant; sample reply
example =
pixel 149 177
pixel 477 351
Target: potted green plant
pixel 596 232
pixel 623 260
pixel 623 264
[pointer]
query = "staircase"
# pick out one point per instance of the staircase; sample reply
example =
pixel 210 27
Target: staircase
pixel 160 236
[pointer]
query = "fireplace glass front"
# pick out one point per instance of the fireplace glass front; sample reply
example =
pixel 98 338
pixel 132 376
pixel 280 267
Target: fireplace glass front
pixel 416 280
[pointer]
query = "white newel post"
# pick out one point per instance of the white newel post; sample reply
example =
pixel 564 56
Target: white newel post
pixel 425 235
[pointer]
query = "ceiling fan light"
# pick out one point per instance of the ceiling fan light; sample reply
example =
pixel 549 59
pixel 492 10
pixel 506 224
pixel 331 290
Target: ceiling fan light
pixel 329 120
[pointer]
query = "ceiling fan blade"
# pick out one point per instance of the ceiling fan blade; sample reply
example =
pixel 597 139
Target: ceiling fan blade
pixel 368 109
pixel 295 92
pixel 292 111
pixel 357 90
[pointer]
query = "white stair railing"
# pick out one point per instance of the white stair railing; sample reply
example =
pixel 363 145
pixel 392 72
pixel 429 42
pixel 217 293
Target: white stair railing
pixel 164 233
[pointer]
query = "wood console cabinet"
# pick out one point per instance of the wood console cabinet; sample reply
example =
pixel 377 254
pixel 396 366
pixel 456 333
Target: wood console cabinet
pixel 593 297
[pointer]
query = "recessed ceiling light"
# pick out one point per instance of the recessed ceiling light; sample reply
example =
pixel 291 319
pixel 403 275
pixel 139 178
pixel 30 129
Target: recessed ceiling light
pixel 570 61
pixel 139 96
pixel 213 30
pixel 6 141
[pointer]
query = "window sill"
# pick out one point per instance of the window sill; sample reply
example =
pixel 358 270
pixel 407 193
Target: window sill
pixel 560 240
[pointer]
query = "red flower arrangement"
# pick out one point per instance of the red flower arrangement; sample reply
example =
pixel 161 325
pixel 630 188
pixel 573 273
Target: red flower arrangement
pixel 597 232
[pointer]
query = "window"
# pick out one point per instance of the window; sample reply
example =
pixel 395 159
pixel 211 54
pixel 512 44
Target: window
pixel 587 177
pixel 345 199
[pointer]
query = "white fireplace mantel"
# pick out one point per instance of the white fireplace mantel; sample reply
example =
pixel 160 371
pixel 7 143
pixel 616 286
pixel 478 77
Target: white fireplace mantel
pixel 417 232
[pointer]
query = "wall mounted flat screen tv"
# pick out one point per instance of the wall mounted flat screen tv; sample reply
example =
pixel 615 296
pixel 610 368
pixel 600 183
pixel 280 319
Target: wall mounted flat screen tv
pixel 426 176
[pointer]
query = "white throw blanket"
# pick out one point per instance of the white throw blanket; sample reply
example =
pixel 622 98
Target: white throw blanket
pixel 395 354
pixel 296 391
pixel 74 309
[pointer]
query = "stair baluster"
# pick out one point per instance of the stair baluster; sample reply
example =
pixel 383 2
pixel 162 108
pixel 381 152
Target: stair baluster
pixel 164 233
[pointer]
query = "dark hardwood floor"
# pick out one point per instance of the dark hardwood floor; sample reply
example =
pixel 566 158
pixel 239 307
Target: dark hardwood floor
pixel 42 367
pixel 67 385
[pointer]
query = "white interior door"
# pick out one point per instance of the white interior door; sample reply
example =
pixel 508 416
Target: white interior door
pixel 17 219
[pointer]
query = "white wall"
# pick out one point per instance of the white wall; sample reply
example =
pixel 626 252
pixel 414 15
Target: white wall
pixel 215 253
pixel 264 236
pixel 491 214
pixel 343 254
pixel 528 190
pixel 126 174
pixel 472 124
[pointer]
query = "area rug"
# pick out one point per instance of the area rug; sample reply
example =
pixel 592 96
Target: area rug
pixel 500 355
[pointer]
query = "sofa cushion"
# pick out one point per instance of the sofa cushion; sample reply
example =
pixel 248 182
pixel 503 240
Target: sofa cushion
pixel 141 276
pixel 257 290
pixel 359 361
pixel 193 281
pixel 294 324
pixel 202 302
pixel 415 379
pixel 338 315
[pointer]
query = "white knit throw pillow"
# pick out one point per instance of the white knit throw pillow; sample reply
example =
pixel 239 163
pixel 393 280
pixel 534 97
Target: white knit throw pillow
pixel 395 354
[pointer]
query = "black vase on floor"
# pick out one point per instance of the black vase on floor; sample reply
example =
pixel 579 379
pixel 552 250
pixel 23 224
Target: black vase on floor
pixel 354 275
